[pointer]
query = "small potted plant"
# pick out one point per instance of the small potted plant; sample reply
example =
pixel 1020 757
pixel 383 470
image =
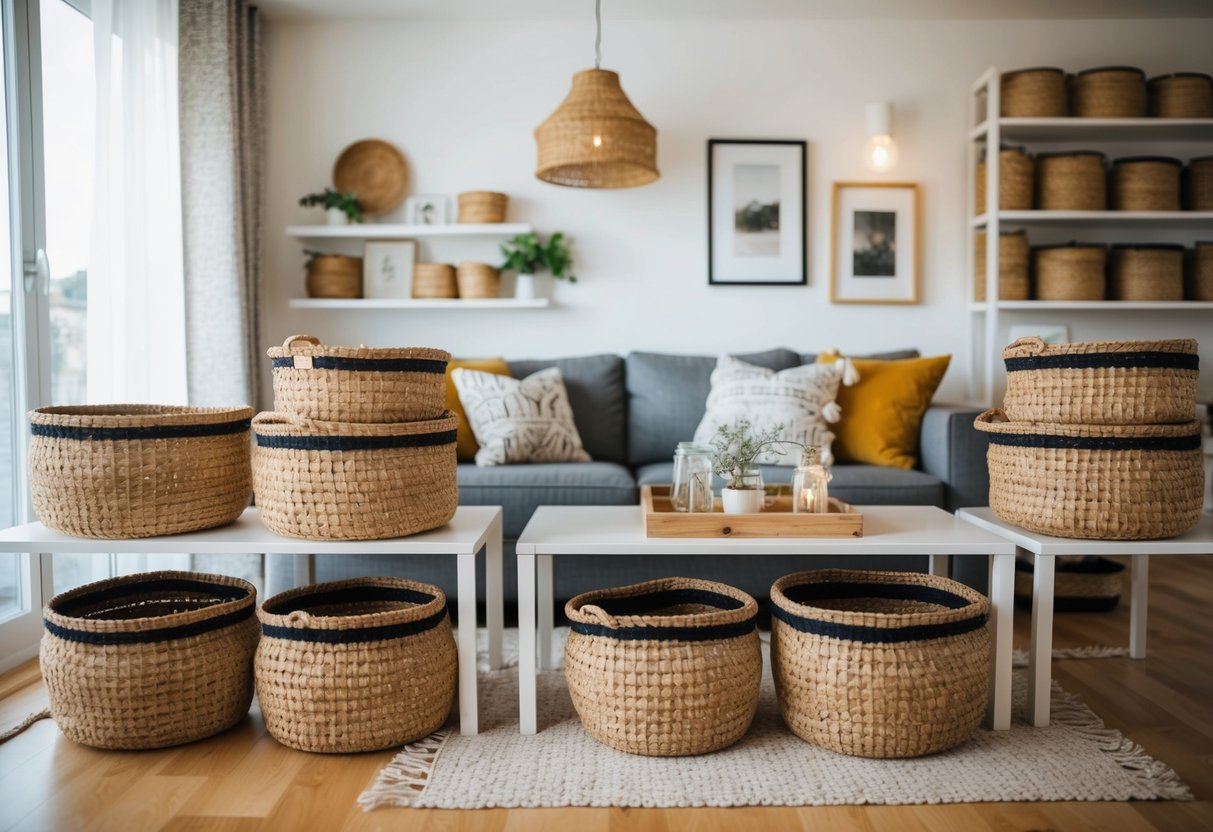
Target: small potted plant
pixel 525 254
pixel 737 451
pixel 339 208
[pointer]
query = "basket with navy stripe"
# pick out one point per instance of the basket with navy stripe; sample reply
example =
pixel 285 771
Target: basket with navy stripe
pixel 356 665
pixel 150 660
pixel 139 470
pixel 358 384
pixel 665 668
pixel 879 664
pixel 353 481
pixel 1101 382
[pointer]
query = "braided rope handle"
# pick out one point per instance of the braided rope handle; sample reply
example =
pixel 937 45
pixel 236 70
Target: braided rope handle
pixel 23 724
pixel 311 340
pixel 1029 345
pixel 992 415
pixel 602 615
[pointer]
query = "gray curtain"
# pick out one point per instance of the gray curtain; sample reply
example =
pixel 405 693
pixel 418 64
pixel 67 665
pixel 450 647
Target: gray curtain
pixel 221 87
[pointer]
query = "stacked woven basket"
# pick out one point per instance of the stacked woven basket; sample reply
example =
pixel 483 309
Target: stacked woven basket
pixel 359 446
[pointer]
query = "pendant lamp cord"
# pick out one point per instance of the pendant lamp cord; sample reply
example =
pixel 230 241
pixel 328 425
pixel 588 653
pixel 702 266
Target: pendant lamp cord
pixel 598 34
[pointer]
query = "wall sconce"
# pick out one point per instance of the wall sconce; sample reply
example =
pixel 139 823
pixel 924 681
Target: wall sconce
pixel 880 152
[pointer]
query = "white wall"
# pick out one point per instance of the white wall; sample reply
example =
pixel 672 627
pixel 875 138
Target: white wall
pixel 461 100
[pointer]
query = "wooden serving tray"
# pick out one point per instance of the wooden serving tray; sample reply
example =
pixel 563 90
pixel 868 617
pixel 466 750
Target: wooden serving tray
pixel 778 520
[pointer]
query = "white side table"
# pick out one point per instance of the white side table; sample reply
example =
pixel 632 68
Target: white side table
pixel 472 528
pixel 1044 549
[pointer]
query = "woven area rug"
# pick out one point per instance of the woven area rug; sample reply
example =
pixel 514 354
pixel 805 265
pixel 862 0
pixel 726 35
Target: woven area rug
pixel 1076 758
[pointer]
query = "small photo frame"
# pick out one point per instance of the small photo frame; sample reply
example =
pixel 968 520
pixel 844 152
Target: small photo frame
pixel 431 209
pixel 387 268
pixel 875 243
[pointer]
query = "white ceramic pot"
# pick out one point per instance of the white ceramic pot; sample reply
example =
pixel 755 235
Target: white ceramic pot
pixel 742 500
pixel 335 216
pixel 524 287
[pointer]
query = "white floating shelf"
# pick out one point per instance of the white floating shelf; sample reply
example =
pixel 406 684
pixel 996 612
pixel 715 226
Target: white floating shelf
pixel 1102 305
pixel 1093 219
pixel 386 231
pixel 414 303
pixel 1099 129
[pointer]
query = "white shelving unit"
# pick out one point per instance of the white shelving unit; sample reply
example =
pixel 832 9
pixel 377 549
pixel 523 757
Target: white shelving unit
pixel 988 131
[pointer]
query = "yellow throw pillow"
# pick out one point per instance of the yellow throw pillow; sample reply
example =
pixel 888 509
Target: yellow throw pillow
pixel 465 440
pixel 882 414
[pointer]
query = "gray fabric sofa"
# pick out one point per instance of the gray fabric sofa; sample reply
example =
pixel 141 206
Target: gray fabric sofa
pixel 631 412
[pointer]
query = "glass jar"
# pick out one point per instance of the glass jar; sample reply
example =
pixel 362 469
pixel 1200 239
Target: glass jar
pixel 692 487
pixel 810 492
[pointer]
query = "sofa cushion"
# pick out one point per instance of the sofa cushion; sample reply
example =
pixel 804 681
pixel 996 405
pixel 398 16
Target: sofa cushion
pixel 597 396
pixel 667 396
pixel 519 489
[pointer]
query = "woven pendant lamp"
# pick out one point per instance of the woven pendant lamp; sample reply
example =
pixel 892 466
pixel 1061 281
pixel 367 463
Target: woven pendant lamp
pixel 596 138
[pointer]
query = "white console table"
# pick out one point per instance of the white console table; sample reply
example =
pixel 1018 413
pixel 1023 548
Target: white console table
pixel 472 528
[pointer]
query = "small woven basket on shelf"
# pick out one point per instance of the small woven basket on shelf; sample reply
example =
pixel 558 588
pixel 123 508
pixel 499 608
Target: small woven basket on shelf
pixel 1146 183
pixel 1095 482
pixel 1199 284
pixel 1146 272
pixel 356 665
pixel 482 207
pixel 1071 271
pixel 353 481
pixel 1037 92
pixel 1109 92
pixel 665 668
pixel 1198 182
pixel 879 664
pixel 150 660
pixel 434 281
pixel 1181 95
pixel 1101 382
pixel 478 280
pixel 1015 181
pixel 1080 584
pixel 334 276
pixel 138 470
pixel 1012 266
pixel 1072 181
pixel 358 384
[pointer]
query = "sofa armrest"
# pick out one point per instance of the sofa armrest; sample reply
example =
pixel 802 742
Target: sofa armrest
pixel 953 450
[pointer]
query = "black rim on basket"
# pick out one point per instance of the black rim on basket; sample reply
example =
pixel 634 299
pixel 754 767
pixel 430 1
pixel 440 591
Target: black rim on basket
pixel 1100 360
pixel 355 443
pixel 377 365
pixel 346 597
pixel 650 602
pixel 1190 442
pixel 97 434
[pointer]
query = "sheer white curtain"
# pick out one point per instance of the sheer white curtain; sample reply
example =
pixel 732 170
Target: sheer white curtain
pixel 136 296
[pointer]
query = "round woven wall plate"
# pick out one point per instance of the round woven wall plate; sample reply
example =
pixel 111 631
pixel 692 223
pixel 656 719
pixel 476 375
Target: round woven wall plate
pixel 375 171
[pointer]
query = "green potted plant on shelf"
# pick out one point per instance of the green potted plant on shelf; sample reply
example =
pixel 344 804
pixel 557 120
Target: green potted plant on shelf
pixel 339 208
pixel 526 254
pixel 738 447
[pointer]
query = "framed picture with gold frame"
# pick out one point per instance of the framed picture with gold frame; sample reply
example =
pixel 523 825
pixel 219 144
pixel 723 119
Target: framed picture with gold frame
pixel 875 242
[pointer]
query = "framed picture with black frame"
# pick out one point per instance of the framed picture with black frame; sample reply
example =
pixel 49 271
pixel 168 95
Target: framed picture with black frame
pixel 756 212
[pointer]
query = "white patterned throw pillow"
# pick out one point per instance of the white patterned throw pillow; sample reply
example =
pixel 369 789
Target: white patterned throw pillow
pixel 519 421
pixel 802 399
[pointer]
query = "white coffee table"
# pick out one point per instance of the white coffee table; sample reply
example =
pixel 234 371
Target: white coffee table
pixel 1044 548
pixel 619 530
pixel 472 528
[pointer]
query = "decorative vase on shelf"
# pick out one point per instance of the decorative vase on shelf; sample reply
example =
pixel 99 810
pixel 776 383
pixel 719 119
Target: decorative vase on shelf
pixel 335 216
pixel 524 287
pixel 744 494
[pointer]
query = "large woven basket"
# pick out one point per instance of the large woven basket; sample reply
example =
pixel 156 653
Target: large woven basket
pixel 139 470
pixel 1070 271
pixel 879 664
pixel 665 668
pixel 1080 584
pixel 358 384
pixel 1101 382
pixel 1012 266
pixel 150 660
pixel 1198 184
pixel 1109 92
pixel 1181 95
pixel 1096 482
pixel 355 665
pixel 352 481
pixel 1072 181
pixel 1038 92
pixel 1146 183
pixel 1152 271
pixel 1016 174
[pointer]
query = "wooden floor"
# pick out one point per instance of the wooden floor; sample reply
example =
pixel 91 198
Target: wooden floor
pixel 243 780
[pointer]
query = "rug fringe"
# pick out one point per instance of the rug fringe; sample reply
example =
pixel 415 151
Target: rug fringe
pixel 1019 658
pixel 407 776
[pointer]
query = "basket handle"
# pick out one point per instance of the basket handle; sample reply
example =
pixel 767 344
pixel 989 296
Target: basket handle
pixel 994 414
pixel 290 341
pixel 602 615
pixel 301 617
pixel 278 417
pixel 1029 345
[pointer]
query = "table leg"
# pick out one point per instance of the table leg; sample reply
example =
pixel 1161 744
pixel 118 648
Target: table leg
pixel 468 716
pixel 1002 600
pixel 1139 598
pixel 1040 655
pixel 527 705
pixel 493 592
pixel 546 600
pixel 939 565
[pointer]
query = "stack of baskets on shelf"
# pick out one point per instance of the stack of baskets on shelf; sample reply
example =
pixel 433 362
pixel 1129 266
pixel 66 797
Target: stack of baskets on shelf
pixel 1104 92
pixel 359 446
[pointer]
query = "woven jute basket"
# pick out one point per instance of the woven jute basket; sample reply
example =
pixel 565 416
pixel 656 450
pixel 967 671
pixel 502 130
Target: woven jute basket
pixel 357 665
pixel 353 481
pixel 434 280
pixel 1200 274
pixel 1198 180
pixel 1015 181
pixel 482 206
pixel 138 470
pixel 1038 92
pixel 1080 584
pixel 665 668
pixel 1146 183
pixel 334 276
pixel 879 664
pixel 478 280
pixel 1146 272
pixel 1072 271
pixel 1072 181
pixel 1101 382
pixel 358 384
pixel 1181 95
pixel 1012 266
pixel 150 660
pixel 1109 92
pixel 1096 482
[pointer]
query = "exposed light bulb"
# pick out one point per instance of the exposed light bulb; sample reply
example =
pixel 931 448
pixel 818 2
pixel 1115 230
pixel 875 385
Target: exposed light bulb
pixel 598 141
pixel 880 153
